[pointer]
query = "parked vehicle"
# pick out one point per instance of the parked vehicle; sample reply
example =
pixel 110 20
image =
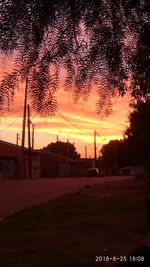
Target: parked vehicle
pixel 93 172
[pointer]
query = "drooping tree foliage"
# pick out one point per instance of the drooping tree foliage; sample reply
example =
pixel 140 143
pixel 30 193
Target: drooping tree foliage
pixel 134 149
pixel 102 43
pixel 138 132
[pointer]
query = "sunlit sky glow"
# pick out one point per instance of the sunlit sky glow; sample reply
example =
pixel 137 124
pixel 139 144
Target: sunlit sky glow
pixel 75 122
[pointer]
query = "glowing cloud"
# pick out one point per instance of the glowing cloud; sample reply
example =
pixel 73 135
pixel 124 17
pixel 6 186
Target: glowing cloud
pixel 74 122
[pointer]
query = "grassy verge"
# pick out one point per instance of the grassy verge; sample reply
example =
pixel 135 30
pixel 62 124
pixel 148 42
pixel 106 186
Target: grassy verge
pixel 109 219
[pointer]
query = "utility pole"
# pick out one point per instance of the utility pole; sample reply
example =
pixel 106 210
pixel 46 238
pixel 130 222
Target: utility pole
pixel 22 167
pixel 67 148
pixel 29 147
pixel 95 156
pixel 17 139
pixel 116 158
pixel 32 136
pixel 86 151
pixel 68 167
pixel 24 114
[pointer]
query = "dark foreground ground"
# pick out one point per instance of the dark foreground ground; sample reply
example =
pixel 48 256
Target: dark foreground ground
pixel 19 194
pixel 96 226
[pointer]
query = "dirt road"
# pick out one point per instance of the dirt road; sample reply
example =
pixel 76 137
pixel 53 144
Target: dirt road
pixel 20 194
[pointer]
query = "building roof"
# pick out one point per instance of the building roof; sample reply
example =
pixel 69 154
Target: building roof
pixel 12 150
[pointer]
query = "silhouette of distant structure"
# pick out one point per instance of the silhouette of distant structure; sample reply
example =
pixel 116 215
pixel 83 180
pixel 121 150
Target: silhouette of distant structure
pixel 10 161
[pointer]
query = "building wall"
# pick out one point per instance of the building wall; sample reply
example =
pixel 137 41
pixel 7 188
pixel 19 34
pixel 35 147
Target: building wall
pixel 10 167
pixel 9 150
pixel 53 165
pixel 35 168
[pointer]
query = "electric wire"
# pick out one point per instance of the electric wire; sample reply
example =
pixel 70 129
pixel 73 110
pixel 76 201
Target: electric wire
pixel 44 131
pixel 8 126
pixel 72 124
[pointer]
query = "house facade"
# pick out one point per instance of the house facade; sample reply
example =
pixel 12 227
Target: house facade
pixel 10 161
pixel 41 163
pixel 54 165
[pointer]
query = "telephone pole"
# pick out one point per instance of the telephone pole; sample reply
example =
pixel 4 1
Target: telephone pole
pixel 22 167
pixel 85 151
pixel 29 147
pixel 95 155
pixel 116 158
pixel 17 139
pixel 68 166
pixel 32 136
pixel 24 115
pixel 67 148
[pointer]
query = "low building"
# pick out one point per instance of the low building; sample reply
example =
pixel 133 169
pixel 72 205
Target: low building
pixel 55 165
pixel 10 161
pixel 44 164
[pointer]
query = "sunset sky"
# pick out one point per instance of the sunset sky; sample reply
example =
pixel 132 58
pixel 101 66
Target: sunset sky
pixel 76 122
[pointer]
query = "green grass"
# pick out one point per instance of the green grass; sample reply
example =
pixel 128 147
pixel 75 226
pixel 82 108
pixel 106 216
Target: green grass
pixel 72 230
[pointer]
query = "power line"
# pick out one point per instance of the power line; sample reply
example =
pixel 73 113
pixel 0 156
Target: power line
pixel 4 115
pixel 74 125
pixel 3 129
pixel 34 116
pixel 12 112
pixel 53 136
pixel 43 131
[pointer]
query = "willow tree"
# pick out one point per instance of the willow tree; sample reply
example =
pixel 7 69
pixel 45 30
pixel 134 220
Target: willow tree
pixel 100 43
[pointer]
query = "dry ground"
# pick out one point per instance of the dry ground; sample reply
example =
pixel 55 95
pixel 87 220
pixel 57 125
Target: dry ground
pixel 104 220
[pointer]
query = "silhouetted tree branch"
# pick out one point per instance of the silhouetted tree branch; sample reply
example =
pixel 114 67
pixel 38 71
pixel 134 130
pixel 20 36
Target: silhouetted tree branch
pixel 99 43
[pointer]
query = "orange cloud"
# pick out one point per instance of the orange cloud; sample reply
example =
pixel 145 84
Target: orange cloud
pixel 74 121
